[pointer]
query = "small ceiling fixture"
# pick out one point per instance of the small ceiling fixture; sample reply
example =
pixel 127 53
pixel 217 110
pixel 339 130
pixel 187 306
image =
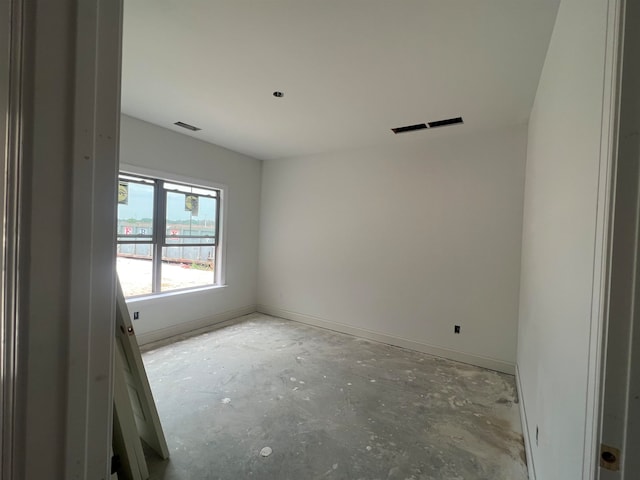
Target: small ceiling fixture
pixel 187 126
pixel 278 94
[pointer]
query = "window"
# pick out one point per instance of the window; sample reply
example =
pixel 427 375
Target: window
pixel 167 235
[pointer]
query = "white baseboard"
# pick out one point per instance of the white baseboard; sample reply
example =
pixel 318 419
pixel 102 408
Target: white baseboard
pixel 525 429
pixel 194 327
pixel 485 362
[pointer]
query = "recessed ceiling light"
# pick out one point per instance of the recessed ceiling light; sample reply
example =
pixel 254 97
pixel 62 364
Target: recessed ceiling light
pixel 278 94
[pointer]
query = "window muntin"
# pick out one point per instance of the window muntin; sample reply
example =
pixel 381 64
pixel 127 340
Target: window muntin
pixel 182 223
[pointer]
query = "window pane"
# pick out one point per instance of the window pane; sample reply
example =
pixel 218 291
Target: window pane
pixel 184 267
pixel 190 215
pixel 135 267
pixel 135 210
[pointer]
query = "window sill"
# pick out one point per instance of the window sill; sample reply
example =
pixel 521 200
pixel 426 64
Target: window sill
pixel 172 293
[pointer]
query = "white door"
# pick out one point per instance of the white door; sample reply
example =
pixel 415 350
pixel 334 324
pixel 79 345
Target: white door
pixel 142 402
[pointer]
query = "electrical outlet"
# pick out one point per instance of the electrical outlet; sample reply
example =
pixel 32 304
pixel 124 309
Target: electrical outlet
pixel 456 329
pixel 136 315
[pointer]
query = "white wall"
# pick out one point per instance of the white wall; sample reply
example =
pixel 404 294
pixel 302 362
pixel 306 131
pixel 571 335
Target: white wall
pixel 559 239
pixel 400 243
pixel 146 146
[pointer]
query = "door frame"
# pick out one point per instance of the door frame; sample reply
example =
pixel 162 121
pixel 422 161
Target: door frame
pixel 619 399
pixel 60 162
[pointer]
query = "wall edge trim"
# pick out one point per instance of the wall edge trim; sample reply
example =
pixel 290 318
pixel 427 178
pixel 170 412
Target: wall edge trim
pixel 477 360
pixel 194 327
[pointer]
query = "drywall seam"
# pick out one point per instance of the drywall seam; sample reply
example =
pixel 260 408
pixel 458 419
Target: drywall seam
pixel 229 317
pixel 525 428
pixel 484 362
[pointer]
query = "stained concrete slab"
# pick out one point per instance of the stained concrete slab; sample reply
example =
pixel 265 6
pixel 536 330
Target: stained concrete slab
pixel 329 406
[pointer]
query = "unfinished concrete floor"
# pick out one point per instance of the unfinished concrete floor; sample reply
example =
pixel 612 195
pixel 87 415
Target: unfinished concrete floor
pixel 329 406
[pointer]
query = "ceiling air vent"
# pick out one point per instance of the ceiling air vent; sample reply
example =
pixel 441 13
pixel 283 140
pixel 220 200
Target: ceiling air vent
pixel 187 126
pixel 422 126
pixel 444 123
pixel 409 128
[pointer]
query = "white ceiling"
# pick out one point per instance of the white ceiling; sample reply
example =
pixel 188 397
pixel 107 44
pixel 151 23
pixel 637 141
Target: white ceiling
pixel 350 69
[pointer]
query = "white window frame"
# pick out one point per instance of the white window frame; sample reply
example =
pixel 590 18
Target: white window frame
pixel 221 235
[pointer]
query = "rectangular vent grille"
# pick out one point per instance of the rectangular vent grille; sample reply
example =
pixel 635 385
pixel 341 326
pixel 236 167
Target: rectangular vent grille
pixel 422 126
pixel 187 126
pixel 444 123
pixel 409 128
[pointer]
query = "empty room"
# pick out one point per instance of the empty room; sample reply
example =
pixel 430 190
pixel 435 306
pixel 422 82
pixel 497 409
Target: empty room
pixel 354 239
pixel 368 166
pixel 361 168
